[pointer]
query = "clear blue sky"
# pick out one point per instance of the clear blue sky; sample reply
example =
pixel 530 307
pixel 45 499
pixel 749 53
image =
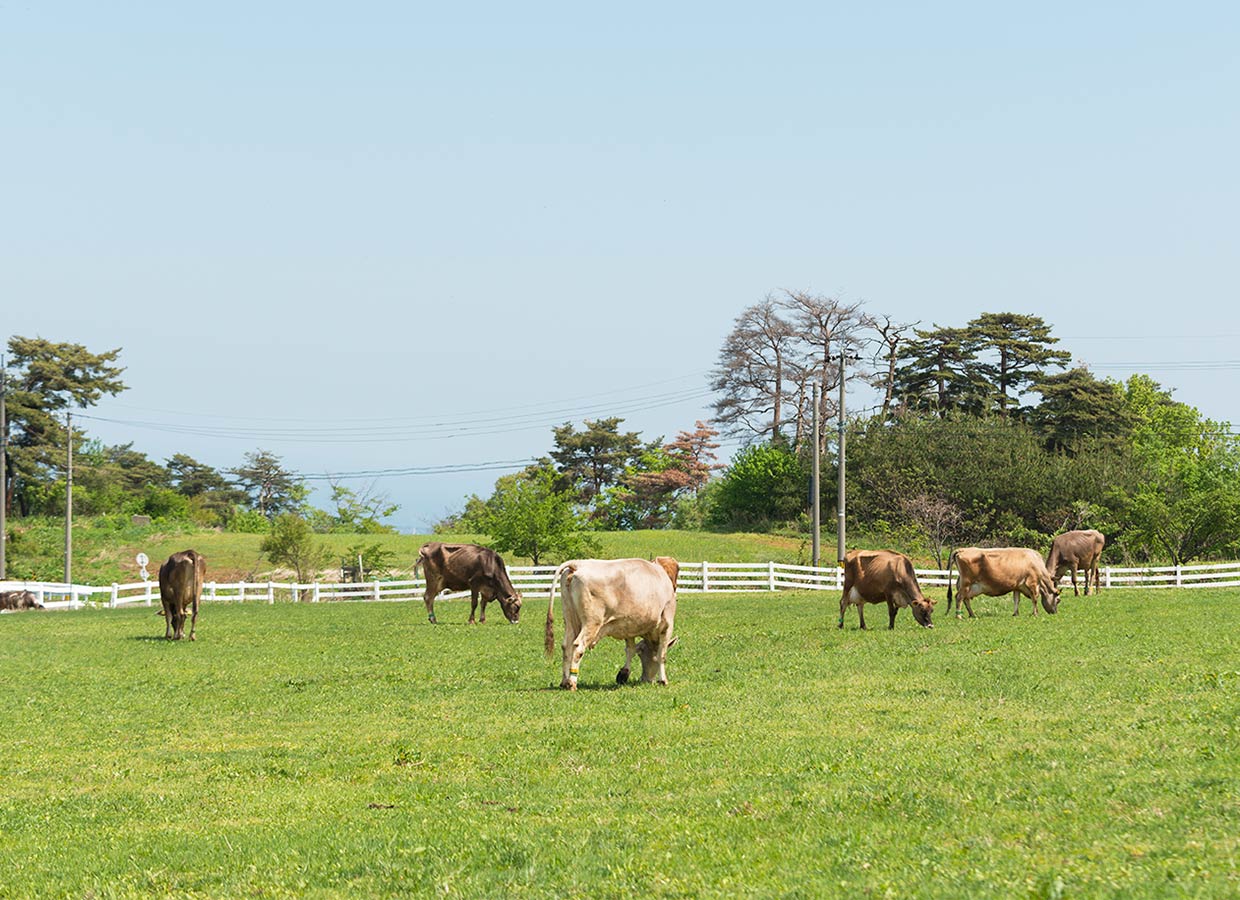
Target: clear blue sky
pixel 310 225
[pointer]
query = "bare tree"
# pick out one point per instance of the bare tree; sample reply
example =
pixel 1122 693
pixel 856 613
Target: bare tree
pixel 890 335
pixel 752 374
pixel 937 518
pixel 825 326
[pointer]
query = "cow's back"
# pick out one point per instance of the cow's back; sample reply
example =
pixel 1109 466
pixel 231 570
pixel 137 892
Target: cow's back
pixel 181 577
pixel 630 596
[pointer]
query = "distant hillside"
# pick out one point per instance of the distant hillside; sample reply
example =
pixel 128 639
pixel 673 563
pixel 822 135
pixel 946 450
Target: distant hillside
pixel 104 549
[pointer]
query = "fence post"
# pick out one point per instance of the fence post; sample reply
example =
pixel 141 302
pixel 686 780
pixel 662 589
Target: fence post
pixel 314 597
pixel 115 594
pixel 241 592
pixel 705 577
pixel 1106 576
pixel 1179 581
pixel 770 575
pixel 376 588
pixel 147 592
pixel 271 592
pixel 210 590
pixel 839 578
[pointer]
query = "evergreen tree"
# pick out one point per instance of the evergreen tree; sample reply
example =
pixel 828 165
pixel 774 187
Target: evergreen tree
pixel 1020 352
pixel 937 373
pixel 1078 410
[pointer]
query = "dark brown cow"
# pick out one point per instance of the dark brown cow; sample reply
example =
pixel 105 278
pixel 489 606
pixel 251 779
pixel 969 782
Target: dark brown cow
pixel 467 567
pixel 18 600
pixel 1001 570
pixel 1076 550
pixel 875 576
pixel 180 588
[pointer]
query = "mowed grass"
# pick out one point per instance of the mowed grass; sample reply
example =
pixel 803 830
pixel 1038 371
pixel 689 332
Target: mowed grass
pixel 355 750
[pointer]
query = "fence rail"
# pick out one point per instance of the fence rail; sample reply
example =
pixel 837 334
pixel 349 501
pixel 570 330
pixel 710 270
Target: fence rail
pixel 695 578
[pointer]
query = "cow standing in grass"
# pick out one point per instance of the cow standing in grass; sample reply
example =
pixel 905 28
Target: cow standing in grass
pixel 180 589
pixel 467 567
pixel 1076 550
pixel 632 600
pixel 1001 570
pixel 877 576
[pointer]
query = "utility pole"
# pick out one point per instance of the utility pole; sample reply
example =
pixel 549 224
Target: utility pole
pixel 4 467
pixel 814 492
pixel 839 554
pixel 69 501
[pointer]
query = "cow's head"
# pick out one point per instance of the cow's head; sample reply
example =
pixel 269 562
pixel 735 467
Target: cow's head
pixel 511 607
pixel 1050 599
pixel 922 607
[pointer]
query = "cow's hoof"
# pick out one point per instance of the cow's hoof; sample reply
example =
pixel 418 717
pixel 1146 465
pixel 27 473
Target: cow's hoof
pixel 573 688
pixel 622 677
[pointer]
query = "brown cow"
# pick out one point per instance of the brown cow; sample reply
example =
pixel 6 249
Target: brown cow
pixel 180 588
pixel 1076 550
pixel 997 571
pixel 626 599
pixel 18 600
pixel 461 567
pixel 874 576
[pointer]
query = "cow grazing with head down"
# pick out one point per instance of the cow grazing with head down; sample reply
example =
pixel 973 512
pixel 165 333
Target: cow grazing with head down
pixel 998 571
pixel 1076 550
pixel 180 588
pixel 15 601
pixel 632 600
pixel 467 567
pixel 875 576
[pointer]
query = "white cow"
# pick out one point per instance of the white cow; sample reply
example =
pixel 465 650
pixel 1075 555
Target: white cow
pixel 626 599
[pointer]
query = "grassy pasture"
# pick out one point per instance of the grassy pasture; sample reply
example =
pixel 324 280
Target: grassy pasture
pixel 353 749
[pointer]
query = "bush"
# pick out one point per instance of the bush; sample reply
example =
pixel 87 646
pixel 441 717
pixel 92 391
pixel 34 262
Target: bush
pixel 763 486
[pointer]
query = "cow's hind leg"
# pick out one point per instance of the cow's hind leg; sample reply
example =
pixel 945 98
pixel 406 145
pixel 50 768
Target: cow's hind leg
pixel 473 605
pixel 167 623
pixel 193 623
pixel 1075 592
pixel 861 614
pixel 843 607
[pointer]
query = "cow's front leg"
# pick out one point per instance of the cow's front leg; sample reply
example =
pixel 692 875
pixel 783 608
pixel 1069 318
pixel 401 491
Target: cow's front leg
pixel 891 612
pixel 482 613
pixel 630 647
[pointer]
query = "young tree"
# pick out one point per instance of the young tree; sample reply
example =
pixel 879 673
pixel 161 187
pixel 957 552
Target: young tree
pixel 291 543
pixel 938 519
pixel 46 379
pixel 271 488
pixel 529 517
pixel 360 512
pixel 764 485
pixel 1021 350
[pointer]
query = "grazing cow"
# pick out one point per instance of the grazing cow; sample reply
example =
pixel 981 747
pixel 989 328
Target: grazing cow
pixel 18 600
pixel 180 588
pixel 460 567
pixel 1076 550
pixel 874 576
pixel 998 570
pixel 626 599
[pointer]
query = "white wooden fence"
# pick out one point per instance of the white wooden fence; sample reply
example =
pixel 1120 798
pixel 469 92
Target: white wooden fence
pixel 695 578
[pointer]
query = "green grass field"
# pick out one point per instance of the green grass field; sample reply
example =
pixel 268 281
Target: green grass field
pixel 354 750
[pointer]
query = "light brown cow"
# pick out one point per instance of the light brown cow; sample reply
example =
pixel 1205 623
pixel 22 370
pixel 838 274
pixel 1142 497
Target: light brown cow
pixel 997 571
pixel 1076 550
pixel 18 600
pixel 626 599
pixel 180 588
pixel 874 576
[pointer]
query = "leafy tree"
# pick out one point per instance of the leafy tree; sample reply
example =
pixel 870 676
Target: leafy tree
pixel 936 373
pixel 270 487
pixel 46 379
pixel 360 512
pixel 1021 350
pixel 593 459
pixel 648 493
pixel 212 497
pixel 376 561
pixel 529 517
pixel 1079 411
pixel 763 485
pixel 291 543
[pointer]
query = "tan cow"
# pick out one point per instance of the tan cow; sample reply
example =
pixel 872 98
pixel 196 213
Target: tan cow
pixel 180 588
pixel 875 576
pixel 626 599
pixel 1000 570
pixel 1076 550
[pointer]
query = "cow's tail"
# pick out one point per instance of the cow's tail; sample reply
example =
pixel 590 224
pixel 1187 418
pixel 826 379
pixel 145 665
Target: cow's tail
pixel 549 634
pixel 417 564
pixel 951 561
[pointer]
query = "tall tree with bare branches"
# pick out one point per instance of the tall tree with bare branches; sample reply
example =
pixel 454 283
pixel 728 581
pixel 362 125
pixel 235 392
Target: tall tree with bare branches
pixel 752 376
